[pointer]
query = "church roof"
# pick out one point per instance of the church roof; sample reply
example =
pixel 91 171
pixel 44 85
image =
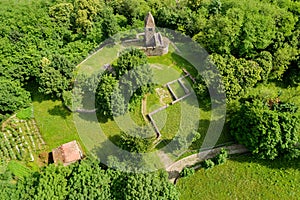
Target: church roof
pixel 149 21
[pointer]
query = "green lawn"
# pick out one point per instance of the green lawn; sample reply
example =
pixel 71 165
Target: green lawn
pixel 244 177
pixel 177 89
pixel 99 59
pixel 153 102
pixel 164 73
pixel 136 114
pixel 55 122
pixel 168 121
pixel 188 83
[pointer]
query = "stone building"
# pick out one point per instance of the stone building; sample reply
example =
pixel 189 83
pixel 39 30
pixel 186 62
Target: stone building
pixel 67 153
pixel 153 43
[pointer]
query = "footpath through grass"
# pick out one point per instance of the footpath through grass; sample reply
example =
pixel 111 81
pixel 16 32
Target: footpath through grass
pixel 244 177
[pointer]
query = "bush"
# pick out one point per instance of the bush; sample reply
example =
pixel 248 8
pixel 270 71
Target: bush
pixel 207 164
pixel 221 157
pixel 187 171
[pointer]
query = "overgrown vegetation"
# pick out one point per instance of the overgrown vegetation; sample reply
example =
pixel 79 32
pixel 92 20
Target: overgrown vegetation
pixel 252 43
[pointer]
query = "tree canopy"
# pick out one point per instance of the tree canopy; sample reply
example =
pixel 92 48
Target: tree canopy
pixel 12 96
pixel 267 128
pixel 88 180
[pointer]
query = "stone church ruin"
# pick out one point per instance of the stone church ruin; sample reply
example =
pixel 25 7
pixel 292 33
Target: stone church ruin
pixel 151 42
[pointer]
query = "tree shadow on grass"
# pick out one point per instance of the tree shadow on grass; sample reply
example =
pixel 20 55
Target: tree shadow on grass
pixel 36 96
pixel 115 157
pixel 183 63
pixel 163 143
pixel 103 119
pixel 94 117
pixel 59 110
pixel 278 163
pixel 90 117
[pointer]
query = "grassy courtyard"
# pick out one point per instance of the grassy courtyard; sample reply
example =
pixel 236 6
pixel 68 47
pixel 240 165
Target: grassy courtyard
pixel 244 177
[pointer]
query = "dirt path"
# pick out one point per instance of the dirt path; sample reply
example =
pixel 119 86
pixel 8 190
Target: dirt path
pixel 144 108
pixel 176 167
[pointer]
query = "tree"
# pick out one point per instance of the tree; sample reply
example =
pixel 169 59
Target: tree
pixel 60 63
pixel 221 157
pixel 107 86
pixel 134 84
pixel 267 129
pixel 51 81
pixel 138 140
pixel 129 59
pixel 153 185
pixel 109 23
pixel 237 75
pixel 215 7
pixel 89 181
pixel 118 105
pixel 12 96
pixel 208 164
pixel 61 13
pixel 85 13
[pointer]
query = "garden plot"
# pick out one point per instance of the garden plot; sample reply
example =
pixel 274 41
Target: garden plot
pixel 164 96
pixel 20 140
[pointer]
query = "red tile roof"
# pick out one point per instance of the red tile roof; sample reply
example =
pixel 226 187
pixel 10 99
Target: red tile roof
pixel 67 153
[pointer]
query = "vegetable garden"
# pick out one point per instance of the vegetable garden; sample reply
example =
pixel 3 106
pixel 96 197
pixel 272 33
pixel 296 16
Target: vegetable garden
pixel 20 140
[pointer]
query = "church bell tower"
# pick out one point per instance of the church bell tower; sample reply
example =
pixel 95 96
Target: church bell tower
pixel 149 31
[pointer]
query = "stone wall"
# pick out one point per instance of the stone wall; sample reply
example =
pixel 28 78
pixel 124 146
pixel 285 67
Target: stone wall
pixel 149 51
pixel 157 51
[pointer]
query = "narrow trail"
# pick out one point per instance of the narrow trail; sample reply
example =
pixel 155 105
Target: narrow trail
pixel 144 108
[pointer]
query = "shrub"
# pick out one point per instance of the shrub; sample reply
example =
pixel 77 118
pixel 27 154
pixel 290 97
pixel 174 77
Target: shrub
pixel 207 164
pixel 187 171
pixel 221 157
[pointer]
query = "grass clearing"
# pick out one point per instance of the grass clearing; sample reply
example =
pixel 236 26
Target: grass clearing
pixel 136 114
pixel 26 113
pixel 244 177
pixel 164 73
pixel 168 121
pixel 97 60
pixel 55 122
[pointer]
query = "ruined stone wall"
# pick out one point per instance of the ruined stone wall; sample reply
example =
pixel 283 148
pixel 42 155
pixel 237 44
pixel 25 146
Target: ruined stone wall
pixel 157 51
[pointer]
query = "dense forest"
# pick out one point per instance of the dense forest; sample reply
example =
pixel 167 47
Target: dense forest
pixel 41 42
pixel 251 42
